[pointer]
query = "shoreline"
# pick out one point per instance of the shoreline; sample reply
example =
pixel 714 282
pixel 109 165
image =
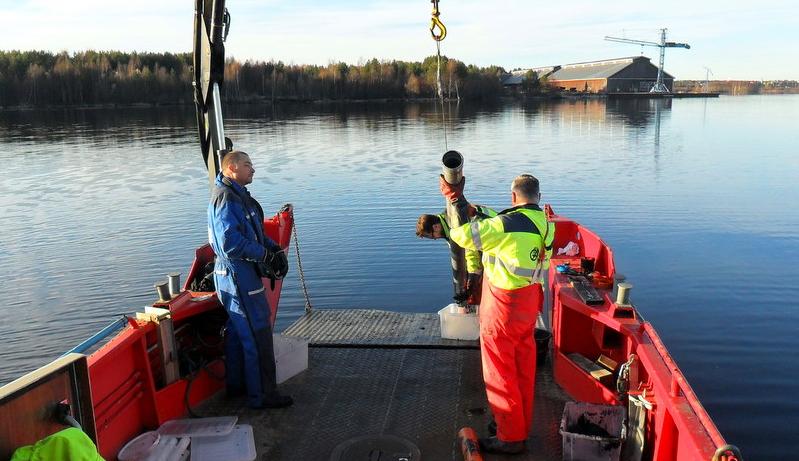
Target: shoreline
pixel 263 101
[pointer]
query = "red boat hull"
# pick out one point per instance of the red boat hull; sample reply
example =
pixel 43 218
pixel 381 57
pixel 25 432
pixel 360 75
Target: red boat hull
pixel 678 427
pixel 126 379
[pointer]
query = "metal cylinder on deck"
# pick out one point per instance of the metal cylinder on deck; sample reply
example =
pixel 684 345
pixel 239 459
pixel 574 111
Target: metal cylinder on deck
pixel 162 289
pixel 623 294
pixel 470 446
pixel 617 279
pixel 174 284
pixel 452 170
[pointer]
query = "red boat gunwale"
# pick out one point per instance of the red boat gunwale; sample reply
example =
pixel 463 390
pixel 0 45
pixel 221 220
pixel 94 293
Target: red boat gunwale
pixel 678 427
pixel 124 372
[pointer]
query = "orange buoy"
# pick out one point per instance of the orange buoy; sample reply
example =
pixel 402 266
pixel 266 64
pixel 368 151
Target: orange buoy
pixel 470 447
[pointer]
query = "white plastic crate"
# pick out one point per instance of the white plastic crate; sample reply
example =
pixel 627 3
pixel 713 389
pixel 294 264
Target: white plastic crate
pixel 291 356
pixel 458 325
pixel 238 445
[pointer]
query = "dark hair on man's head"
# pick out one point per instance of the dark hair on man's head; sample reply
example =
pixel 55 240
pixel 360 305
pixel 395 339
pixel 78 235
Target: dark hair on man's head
pixel 233 156
pixel 526 185
pixel 424 226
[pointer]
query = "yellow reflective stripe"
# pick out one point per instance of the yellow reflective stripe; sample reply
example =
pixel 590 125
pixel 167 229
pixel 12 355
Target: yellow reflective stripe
pixel 535 274
pixel 512 269
pixel 538 274
pixel 475 227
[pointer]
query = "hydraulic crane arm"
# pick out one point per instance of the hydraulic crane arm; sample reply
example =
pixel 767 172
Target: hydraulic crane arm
pixel 211 25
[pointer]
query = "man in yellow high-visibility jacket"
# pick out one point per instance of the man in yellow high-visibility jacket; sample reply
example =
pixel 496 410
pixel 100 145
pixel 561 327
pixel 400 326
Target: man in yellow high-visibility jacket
pixel 516 247
pixel 436 227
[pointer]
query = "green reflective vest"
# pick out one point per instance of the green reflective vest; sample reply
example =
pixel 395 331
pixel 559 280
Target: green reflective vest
pixel 70 444
pixel 516 245
pixel 473 265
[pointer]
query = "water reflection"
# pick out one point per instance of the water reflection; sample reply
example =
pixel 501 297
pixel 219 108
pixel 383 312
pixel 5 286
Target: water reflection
pixel 95 125
pixel 639 112
pixel 143 122
pixel 98 204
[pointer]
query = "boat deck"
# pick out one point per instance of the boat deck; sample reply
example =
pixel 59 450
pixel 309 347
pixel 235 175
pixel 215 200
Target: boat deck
pixel 377 373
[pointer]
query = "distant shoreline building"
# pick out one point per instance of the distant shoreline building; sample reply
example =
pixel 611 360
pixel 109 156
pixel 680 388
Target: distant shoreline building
pixel 634 74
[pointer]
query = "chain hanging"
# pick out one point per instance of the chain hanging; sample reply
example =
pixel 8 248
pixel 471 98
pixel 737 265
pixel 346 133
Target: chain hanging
pixel 303 285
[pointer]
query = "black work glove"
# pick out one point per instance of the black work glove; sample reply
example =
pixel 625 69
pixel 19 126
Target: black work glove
pixel 280 264
pixel 264 266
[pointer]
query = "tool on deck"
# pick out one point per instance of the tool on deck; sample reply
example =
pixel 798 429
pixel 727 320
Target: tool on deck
pixel 585 290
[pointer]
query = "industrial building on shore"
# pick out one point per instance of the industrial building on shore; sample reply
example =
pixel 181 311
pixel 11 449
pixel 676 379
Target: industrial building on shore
pixel 634 74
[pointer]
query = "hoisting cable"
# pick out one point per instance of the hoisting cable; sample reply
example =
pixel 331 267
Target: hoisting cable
pixel 304 287
pixel 435 23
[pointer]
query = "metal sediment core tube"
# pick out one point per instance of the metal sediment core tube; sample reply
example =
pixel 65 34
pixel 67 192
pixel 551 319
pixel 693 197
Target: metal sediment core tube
pixel 452 171
pixel 452 166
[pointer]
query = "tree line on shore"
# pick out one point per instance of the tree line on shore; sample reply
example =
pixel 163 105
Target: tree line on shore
pixel 40 78
pixel 738 87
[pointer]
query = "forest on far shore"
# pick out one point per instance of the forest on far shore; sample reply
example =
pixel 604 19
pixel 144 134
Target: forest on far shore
pixel 40 78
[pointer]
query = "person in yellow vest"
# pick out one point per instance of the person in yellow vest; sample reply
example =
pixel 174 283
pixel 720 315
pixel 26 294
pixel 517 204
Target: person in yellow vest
pixel 516 246
pixel 70 444
pixel 436 227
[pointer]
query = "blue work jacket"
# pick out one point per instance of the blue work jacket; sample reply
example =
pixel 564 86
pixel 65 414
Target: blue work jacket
pixel 235 231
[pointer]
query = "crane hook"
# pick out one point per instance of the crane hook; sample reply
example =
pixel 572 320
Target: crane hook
pixel 436 23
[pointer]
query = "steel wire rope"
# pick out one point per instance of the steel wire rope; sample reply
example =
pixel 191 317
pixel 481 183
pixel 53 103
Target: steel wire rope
pixel 441 94
pixel 435 22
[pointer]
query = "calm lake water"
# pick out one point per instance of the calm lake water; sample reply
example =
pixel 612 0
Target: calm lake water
pixel 698 199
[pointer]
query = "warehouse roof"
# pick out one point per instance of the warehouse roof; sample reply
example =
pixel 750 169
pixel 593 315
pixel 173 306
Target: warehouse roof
pixel 513 79
pixel 594 69
pixel 541 71
pixel 517 76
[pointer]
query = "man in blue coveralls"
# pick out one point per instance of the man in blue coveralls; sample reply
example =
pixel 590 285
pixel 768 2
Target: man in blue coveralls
pixel 235 231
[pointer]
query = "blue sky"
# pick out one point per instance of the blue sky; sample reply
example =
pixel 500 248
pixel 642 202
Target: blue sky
pixel 735 39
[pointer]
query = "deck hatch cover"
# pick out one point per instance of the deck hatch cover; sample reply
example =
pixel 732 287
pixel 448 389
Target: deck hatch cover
pixel 376 448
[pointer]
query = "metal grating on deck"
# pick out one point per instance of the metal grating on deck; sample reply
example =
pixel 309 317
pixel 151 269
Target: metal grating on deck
pixel 372 328
pixel 422 395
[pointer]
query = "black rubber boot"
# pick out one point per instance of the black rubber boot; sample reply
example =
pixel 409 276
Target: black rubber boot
pixel 277 401
pixel 494 445
pixel 234 392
